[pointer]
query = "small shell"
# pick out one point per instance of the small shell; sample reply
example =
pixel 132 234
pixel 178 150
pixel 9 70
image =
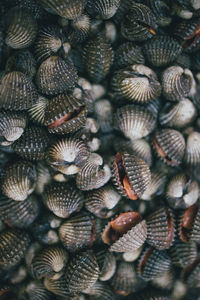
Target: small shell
pixel 103 9
pixel 43 177
pixel 189 224
pixel 192 153
pixel 134 121
pixel 137 83
pixel 56 76
pixel 191 273
pixel 185 61
pixel 37 110
pixel 161 11
pixel 176 83
pixel 107 264
pixel 100 290
pixel 78 30
pixel 170 146
pixel 151 295
pixel 63 199
pixel 57 287
pixel 104 114
pixel 35 290
pixel 156 186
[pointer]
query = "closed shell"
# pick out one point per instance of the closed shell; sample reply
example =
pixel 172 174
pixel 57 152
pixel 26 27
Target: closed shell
pixel 78 30
pixel 36 290
pixel 107 264
pixel 57 286
pixel 103 9
pixel 37 110
pixel 192 153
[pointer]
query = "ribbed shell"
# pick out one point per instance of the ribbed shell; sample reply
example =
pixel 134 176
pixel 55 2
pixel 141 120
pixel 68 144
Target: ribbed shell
pixel 176 83
pixel 18 180
pixel 137 83
pixel 103 9
pixel 134 121
pixel 107 264
pixel 172 145
pixel 13 245
pixel 191 273
pixel 65 114
pixel 56 76
pixel 192 153
pixel 100 290
pixel 156 186
pixel 139 24
pixel 161 11
pixel 97 55
pixel 78 30
pixel 151 295
pixel 21 30
pixel 37 110
pixel 21 96
pixel 189 224
pixel 36 291
pixel 161 50
pixel 63 199
pixel 57 287
pixel 82 271
pixel 32 6
pixel 161 228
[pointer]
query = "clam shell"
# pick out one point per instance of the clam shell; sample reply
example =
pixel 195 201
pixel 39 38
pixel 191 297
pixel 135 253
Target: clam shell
pixel 189 224
pixel 35 290
pixel 100 290
pixel 63 199
pixel 156 186
pixel 43 177
pixel 58 287
pixel 33 7
pixel 151 295
pixel 103 9
pixel 107 264
pixel 161 11
pixel 37 110
pixel 192 151
pixel 191 273
pixel 78 30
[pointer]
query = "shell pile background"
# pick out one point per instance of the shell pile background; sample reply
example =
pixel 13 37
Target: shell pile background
pixel 99 149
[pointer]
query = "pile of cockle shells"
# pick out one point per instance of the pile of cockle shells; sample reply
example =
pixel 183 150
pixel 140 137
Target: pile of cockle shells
pixel 99 149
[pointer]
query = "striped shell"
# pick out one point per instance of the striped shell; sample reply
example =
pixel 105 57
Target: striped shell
pixel 191 273
pixel 107 264
pixel 103 9
pixel 156 186
pixel 100 290
pixel 78 30
pixel 192 151
pixel 37 110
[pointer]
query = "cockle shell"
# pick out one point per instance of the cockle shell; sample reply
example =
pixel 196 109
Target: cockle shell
pixel 192 151
pixel 103 9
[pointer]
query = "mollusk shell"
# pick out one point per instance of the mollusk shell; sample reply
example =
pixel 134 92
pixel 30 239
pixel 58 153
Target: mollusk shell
pixel 57 287
pixel 35 290
pixel 192 152
pixel 191 273
pixel 103 9
pixel 100 290
pixel 107 264
pixel 156 186
pixel 37 110
pixel 78 30
pixel 161 11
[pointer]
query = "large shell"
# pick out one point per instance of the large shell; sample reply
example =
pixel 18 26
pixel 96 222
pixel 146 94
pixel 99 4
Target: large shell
pixel 192 151
pixel 134 121
pixel 103 9
pixel 37 110
pixel 131 175
pixel 137 83
pixel 22 95
pixel 63 199
pixel 18 180
pixel 56 76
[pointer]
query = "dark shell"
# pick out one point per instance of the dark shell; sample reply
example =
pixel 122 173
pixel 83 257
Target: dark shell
pixel 78 30
pixel 32 6
pixel 57 287
pixel 107 264
pixel 150 295
pixel 100 290
pixel 103 9
pixel 36 291
pixel 161 10
pixel 191 273
pixel 185 61
pixel 192 153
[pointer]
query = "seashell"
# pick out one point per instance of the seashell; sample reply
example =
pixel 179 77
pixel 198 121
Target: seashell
pixel 165 281
pixel 133 255
pixel 156 186
pixel 162 50
pixel 170 146
pixel 43 177
pixel 161 11
pixel 97 56
pixel 178 114
pixel 35 290
pixel 57 286
pixel 102 9
pixel 192 151
pixel 67 9
pixel 33 7
pixel 128 54
pixel 161 228
pixel 65 114
pixel 100 290
pixel 139 24
pixel 126 233
pixel 151 295
pixel 176 83
pixel 21 28
pixel 182 191
pixel 152 263
pixel 100 202
pixel 137 83
pixel 82 271
pixel 68 155
pixel 20 214
pixel 184 61
pixel 49 262
pixel 12 125
pixel 18 180
pixel 22 95
pixel 56 76
pixel 37 110
pixel 32 144
pixel 78 232
pixel 135 122
pixel 13 245
pixel 104 114
pixel 124 280
pixel 107 264
pixel 131 175
pixel 63 199
pixel 191 273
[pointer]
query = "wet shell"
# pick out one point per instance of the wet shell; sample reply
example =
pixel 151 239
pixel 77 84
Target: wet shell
pixel 139 24
pixel 161 228
pixel 49 262
pixel 137 83
pixel 176 83
pixel 13 245
pixel 169 145
pixel 68 155
pixel 22 95
pixel 56 76
pixel 107 264
pixel 18 180
pixel 21 30
pixel 162 50
pixel 134 121
pixel 63 199
pixel 37 110
pixel 104 114
pixel 12 125
pixel 192 153
pixel 65 114
pixel 131 175
pixel 103 9
pixel 97 56
pixel 156 186
pixel 100 290
pixel 191 273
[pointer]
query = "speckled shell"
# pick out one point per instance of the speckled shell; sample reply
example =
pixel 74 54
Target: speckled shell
pixel 13 245
pixel 18 180
pixel 161 50
pixel 100 290
pixel 22 95
pixel 103 9
pixel 97 56
pixel 139 24
pixel 169 145
pixel 68 155
pixel 137 83
pixel 107 264
pixel 176 83
pixel 63 199
pixel 56 76
pixel 21 30
pixel 37 110
pixel 192 151
pixel 49 262
pixel 20 214
pixel 134 121
pixel 65 114
pixel 191 273
pixel 156 186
